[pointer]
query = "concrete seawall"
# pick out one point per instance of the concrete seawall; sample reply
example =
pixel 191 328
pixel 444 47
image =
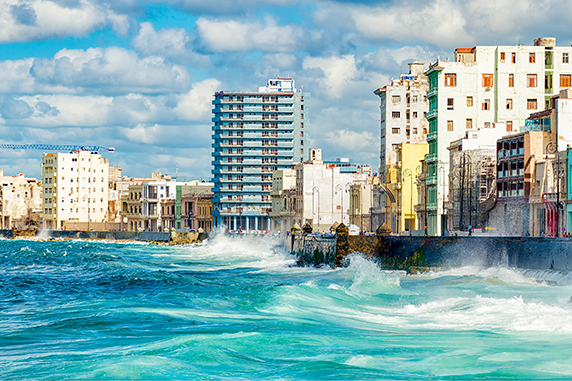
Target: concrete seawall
pixel 396 252
pixel 167 237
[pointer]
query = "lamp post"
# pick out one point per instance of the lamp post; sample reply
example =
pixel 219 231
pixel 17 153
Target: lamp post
pixel 552 148
pixel 341 190
pixel 407 173
pixel 315 189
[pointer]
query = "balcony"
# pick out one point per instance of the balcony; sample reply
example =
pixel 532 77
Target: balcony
pixel 431 136
pixel 432 92
pixel 432 114
pixel 432 157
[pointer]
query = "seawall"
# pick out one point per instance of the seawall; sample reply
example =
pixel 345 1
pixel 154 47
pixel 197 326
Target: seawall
pixel 166 237
pixel 410 253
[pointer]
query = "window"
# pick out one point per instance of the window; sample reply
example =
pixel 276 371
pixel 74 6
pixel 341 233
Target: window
pixel 511 80
pixel 449 103
pixel 565 58
pixel 395 114
pixel 395 130
pixel 513 57
pixel 450 80
pixel 449 125
pixel 509 104
pixel 469 101
pixel 531 80
pixel 509 126
pixel 487 80
pixel 565 80
pixel 531 57
pixel 396 99
pixel 487 104
pixel 502 57
pixel 414 114
pixel 469 124
pixel 302 107
pixel 531 104
pixel 301 116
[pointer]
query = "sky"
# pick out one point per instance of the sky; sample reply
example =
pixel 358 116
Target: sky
pixel 140 76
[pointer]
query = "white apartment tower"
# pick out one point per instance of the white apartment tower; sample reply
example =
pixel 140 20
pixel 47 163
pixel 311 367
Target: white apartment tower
pixel 403 109
pixel 75 188
pixel 483 86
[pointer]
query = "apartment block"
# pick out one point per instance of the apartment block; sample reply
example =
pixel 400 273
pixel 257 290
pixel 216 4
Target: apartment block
pixel 75 187
pixel 486 85
pixel 20 201
pixel 403 110
pixel 255 134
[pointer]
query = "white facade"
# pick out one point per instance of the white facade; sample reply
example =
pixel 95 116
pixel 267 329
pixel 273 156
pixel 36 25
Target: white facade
pixel 75 188
pixel 20 198
pixel 403 109
pixel 153 193
pixel 322 194
pixel 486 85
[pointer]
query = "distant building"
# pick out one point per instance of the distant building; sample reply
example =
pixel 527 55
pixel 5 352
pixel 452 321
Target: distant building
pixel 472 178
pixel 403 109
pixel 194 206
pixel 75 189
pixel 255 134
pixel 319 196
pixel 400 188
pixel 282 215
pixel 20 201
pixel 486 85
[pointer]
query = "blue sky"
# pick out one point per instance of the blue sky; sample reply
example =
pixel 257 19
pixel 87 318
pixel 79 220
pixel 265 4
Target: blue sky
pixel 139 76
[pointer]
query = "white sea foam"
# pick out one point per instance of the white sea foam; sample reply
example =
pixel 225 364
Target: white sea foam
pixel 240 251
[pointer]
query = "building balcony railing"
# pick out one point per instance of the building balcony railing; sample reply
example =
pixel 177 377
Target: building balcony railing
pixel 432 157
pixel 432 180
pixel 432 206
pixel 431 136
pixel 431 92
pixel 432 114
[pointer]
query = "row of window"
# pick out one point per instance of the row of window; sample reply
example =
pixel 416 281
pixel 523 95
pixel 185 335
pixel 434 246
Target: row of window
pixel 49 210
pixel 531 57
pixel 531 104
pixel 397 115
pixel 397 131
pixel 409 99
pixel 531 80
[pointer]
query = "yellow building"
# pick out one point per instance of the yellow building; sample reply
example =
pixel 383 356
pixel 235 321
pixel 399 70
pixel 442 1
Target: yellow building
pixel 400 180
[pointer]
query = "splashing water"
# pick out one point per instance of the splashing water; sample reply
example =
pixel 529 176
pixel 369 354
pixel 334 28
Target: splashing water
pixel 236 308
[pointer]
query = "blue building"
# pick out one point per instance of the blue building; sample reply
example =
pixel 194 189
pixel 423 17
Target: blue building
pixel 255 134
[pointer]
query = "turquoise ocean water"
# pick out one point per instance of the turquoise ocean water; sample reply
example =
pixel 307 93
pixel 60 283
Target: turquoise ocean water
pixel 236 309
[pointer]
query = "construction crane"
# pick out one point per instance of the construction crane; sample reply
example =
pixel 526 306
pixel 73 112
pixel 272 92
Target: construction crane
pixel 55 147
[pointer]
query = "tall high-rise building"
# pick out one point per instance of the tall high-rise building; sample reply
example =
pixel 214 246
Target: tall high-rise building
pixel 483 86
pixel 255 134
pixel 75 188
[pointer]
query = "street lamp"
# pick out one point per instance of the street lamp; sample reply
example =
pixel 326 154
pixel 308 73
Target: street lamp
pixel 407 173
pixel 341 189
pixel 316 190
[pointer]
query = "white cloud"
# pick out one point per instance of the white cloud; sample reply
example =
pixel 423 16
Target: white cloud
pixel 196 104
pixel 230 35
pixel 174 43
pixel 439 22
pixel 142 134
pixel 338 72
pixel 352 140
pixel 43 19
pixel 104 71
